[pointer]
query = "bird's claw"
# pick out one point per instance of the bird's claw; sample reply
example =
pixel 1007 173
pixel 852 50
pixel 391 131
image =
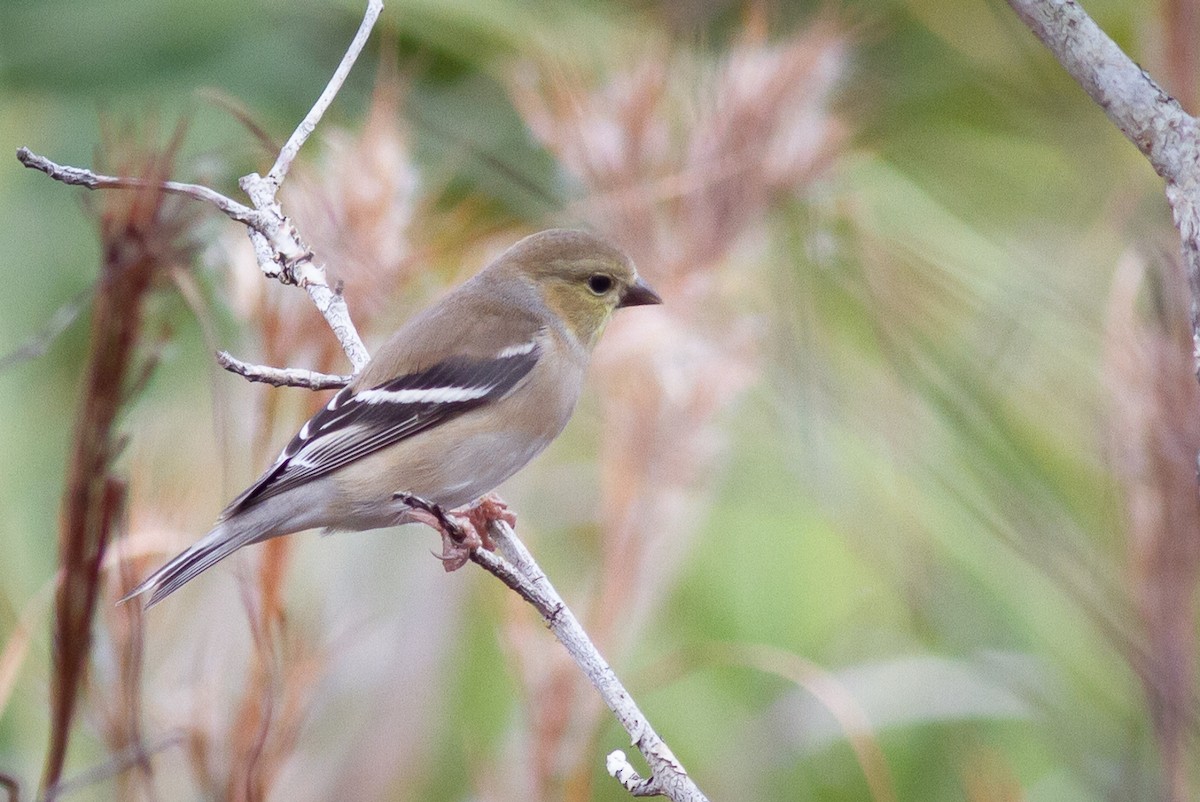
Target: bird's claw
pixel 460 535
pixel 482 513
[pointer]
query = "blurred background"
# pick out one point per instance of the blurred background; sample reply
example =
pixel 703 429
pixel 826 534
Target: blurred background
pixel 893 499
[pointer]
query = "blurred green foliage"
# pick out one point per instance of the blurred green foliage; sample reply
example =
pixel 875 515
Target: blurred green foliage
pixel 919 495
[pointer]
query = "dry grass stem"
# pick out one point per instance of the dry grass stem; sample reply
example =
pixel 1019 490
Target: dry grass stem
pixel 140 233
pixel 1155 437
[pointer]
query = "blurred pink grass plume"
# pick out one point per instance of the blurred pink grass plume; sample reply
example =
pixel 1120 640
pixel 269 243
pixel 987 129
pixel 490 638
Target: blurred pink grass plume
pixel 685 179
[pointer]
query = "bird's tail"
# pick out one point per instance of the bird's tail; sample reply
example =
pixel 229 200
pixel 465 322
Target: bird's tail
pixel 226 538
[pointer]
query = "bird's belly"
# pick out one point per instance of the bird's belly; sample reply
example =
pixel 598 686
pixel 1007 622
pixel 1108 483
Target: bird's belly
pixel 440 469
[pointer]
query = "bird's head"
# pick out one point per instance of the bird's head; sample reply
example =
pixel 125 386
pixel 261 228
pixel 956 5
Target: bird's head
pixel 582 278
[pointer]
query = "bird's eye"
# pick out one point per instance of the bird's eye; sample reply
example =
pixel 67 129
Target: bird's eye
pixel 599 283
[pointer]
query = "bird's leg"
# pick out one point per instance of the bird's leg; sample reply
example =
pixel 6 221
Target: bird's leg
pixel 458 541
pixel 483 512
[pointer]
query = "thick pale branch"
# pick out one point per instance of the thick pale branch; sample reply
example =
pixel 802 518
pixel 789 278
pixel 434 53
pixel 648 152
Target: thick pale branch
pixel 1149 117
pixel 281 377
pixel 332 306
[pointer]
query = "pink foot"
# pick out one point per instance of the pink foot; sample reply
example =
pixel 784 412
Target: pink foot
pixel 459 535
pixel 483 512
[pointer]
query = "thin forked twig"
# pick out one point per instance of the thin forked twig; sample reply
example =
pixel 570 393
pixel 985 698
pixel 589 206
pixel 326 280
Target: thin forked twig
pixel 82 177
pixel 280 252
pixel 290 148
pixel 281 377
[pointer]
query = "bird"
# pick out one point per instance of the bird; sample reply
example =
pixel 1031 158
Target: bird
pixel 456 401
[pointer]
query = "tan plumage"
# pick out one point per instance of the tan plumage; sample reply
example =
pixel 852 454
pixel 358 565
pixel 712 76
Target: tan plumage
pixel 455 402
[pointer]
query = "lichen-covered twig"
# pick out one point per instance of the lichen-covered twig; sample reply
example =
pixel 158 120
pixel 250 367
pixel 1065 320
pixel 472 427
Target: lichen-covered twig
pixel 82 177
pixel 281 377
pixel 287 153
pixel 278 247
pixel 1151 119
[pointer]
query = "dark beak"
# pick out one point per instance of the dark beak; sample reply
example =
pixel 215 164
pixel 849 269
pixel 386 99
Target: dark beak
pixel 639 294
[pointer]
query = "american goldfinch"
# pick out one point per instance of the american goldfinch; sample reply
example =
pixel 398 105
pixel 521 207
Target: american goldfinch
pixel 455 402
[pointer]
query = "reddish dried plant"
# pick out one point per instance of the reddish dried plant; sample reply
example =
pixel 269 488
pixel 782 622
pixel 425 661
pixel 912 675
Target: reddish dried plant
pixel 142 242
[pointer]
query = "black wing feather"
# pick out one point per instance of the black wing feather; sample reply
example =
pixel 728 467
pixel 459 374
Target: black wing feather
pixel 349 428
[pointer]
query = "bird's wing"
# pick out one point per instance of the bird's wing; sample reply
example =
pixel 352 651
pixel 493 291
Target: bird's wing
pixel 357 422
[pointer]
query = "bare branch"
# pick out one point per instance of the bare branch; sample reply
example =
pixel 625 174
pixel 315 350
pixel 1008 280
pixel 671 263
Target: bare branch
pixel 81 177
pixel 1165 480
pixel 277 244
pixel 332 306
pixel 621 770
pixel 309 123
pixel 520 571
pixel 281 253
pixel 281 377
pixel 503 570
pixel 1147 116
